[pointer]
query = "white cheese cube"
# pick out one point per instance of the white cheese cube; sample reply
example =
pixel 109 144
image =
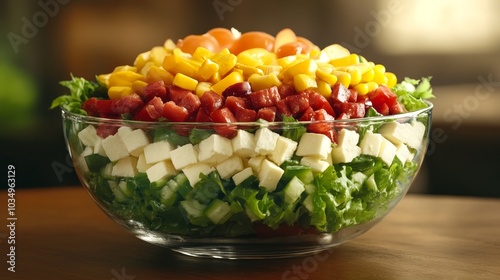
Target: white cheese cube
pixel 125 167
pixel 230 166
pixel 371 143
pixel 142 165
pixel 284 150
pixel 214 149
pixel 81 159
pixel 316 163
pixel 193 172
pixel 269 175
pixel 98 149
pixel 161 169
pixel 88 136
pixel 345 153
pixel 313 144
pixel 403 153
pixel 244 144
pixel 255 163
pixel 265 141
pixel 348 137
pixel 134 140
pixel 157 151
pixel 114 147
pixel 410 134
pixel 184 156
pixel 241 176
pixel 387 152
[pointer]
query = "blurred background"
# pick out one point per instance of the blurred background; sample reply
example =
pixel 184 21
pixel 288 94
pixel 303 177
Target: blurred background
pixel 456 42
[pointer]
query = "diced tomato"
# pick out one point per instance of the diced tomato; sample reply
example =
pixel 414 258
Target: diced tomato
pixel 265 98
pixel 285 90
pixel 318 101
pixel 224 115
pixel 239 89
pixel 352 109
pixel 397 108
pixel 245 115
pixel 267 113
pixel 382 99
pixel 104 130
pixel 98 107
pixel 283 108
pixel 234 103
pixel 353 95
pixel 323 126
pixel 211 101
pixel 176 93
pixel 342 116
pixel 174 112
pixel 340 93
pixel 156 89
pixel 203 116
pixel 129 104
pixel 152 111
pixel 298 103
pixel 191 102
pixel 308 115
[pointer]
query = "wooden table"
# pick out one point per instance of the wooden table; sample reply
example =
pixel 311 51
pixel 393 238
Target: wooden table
pixel 61 234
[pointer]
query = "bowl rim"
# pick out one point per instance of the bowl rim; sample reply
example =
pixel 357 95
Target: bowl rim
pixel 99 120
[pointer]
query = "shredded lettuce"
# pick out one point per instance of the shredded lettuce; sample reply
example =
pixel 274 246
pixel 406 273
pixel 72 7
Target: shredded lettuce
pixel 80 90
pixel 411 93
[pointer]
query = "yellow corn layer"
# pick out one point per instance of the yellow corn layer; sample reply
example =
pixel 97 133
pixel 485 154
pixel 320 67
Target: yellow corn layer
pixel 304 81
pixel 185 82
pixel 259 82
pixel 231 79
pixel 365 88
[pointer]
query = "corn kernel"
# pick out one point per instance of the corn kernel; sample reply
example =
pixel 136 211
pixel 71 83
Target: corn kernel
pixel 138 86
pixel 304 81
pixel 365 88
pixel 225 61
pixel 123 78
pixel 202 54
pixel 355 76
pixel 169 45
pixel 248 70
pixel 103 79
pixel 142 59
pixel 259 82
pixel 270 69
pixel 207 69
pixel 328 78
pixel 157 55
pixel 184 82
pixel 117 92
pixel 202 87
pixel 156 73
pixel 231 79
pixel 144 71
pixel 325 67
pixel 324 88
pixel 368 76
pixel 343 77
pixel 379 68
pixel 392 80
pixel 307 67
pixel 244 58
pixel 187 68
pixel 345 61
pixel 286 61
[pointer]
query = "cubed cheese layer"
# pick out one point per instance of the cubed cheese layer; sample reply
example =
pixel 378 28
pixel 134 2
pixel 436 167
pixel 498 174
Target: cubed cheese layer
pixel 160 170
pixel 244 144
pixel 315 145
pixel 157 151
pixel 214 149
pixel 269 175
pixel 184 156
pixel 229 167
pixel 265 141
pixel 284 150
pixel 194 171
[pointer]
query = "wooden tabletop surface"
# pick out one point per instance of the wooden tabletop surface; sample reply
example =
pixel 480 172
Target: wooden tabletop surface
pixel 61 234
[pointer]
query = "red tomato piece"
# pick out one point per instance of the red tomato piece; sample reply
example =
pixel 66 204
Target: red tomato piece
pixel 156 89
pixel 298 103
pixel 267 113
pixel 191 102
pixel 265 98
pixel 285 90
pixel 318 101
pixel 245 115
pixel 382 99
pixel 323 126
pixel 340 93
pixel 239 89
pixel 98 107
pixel 235 103
pixel 353 95
pixel 211 101
pixel 308 115
pixel 176 93
pixel 283 108
pixel 352 109
pixel 203 116
pixel 174 112
pixel 224 115
pixel 104 130
pixel 152 111
pixel 397 108
pixel 129 104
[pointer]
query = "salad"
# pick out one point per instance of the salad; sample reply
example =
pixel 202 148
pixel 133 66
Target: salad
pixel 253 142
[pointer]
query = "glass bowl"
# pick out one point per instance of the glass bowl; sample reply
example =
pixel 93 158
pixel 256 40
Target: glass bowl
pixel 248 190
